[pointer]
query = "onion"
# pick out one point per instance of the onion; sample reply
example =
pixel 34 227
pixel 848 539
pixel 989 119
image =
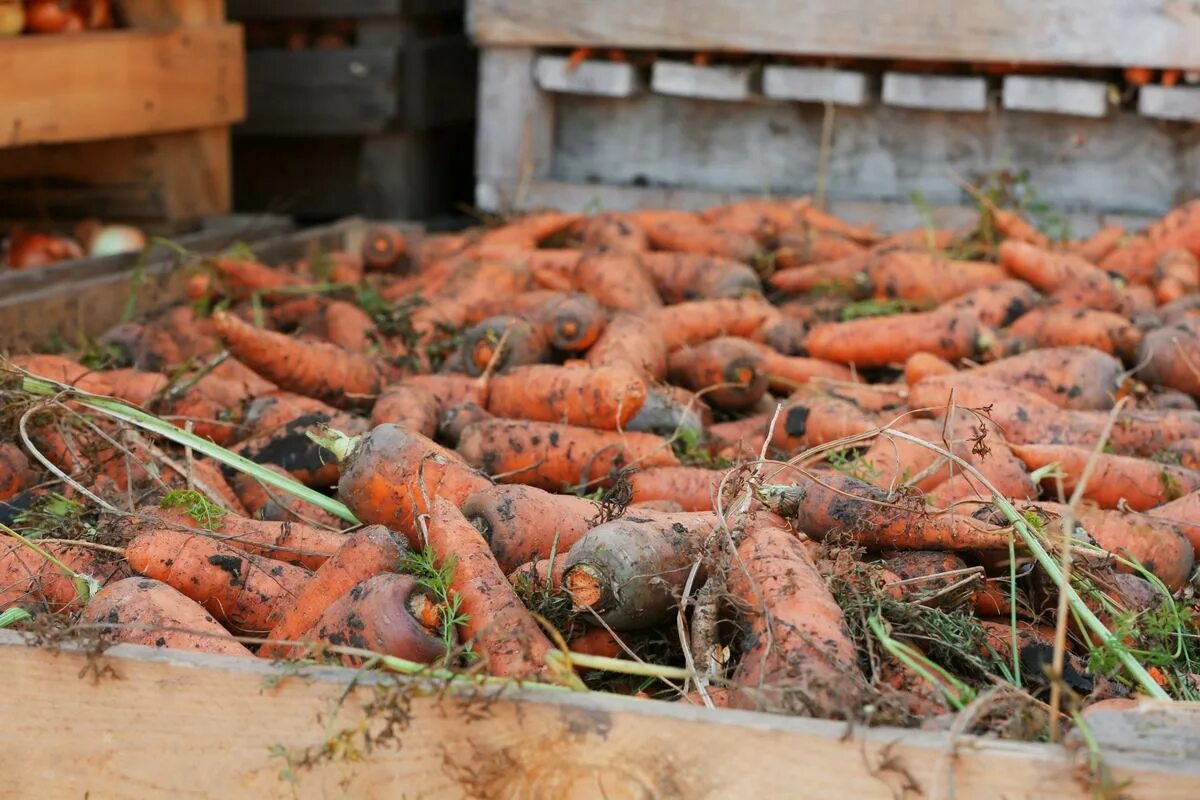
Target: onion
pixel 39 249
pixel 45 16
pixel 12 18
pixel 113 239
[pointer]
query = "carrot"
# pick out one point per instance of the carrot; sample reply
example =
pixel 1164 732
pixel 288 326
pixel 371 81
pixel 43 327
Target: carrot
pixel 634 343
pixel 1170 356
pixel 290 542
pixel 596 642
pixel 1185 452
pixel 1156 544
pixel 1142 484
pixel 1179 229
pixel 820 220
pixel 385 613
pixel 1099 244
pixel 15 473
pixel 242 278
pixel 364 554
pixel 384 247
pixel 570 321
pixel 1010 226
pixel 599 397
pixel 1069 377
pixel 523 523
pixel 1062 274
pixel 669 411
pixel 847 274
pixel 146 347
pixel 260 502
pixel 348 326
pixel 873 398
pixel 390 475
pixel 529 231
pixel 811 417
pixel 552 456
pixel 1176 273
pixel 1184 514
pixel 1145 432
pixel 825 504
pixel 923 365
pixel 292 449
pixel 149 612
pixel 692 487
pixel 204 473
pixel 697 321
pixel 727 371
pixel 683 232
pixel 507 341
pixel 921 275
pixel 1061 326
pixel 809 246
pixel 540 574
pixel 613 233
pixel 687 276
pixel 617 281
pixel 316 369
pixel 457 418
pixel 631 570
pixel 994 459
pixel 798 655
pixel 877 341
pixel 787 373
pixel 497 626
pixel 31 581
pixel 892 462
pixel 761 219
pixel 269 413
pixel 410 406
pixel 998 304
pixel 1166 399
pixel 245 592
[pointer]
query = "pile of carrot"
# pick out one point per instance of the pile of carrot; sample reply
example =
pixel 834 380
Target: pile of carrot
pixel 823 469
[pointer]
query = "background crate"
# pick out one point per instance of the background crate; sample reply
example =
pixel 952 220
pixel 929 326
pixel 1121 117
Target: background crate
pixel 130 123
pixel 747 110
pixel 365 127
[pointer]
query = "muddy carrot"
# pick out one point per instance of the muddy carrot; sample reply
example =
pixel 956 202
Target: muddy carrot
pixel 31 581
pixel 877 341
pixel 924 276
pixel 683 232
pixel 524 523
pixel 504 341
pixel 687 276
pixel 260 502
pixel 552 456
pixel 1176 273
pixel 617 281
pixel 1069 377
pixel 1170 356
pixel 996 305
pixel 694 488
pixel 598 397
pixel 1062 274
pixel 615 233
pixel 15 473
pixel 1099 244
pixel 801 248
pixel 1062 326
pixel 384 247
pixel 924 365
pixel 290 542
pixel 410 406
pixel 727 371
pixel 1142 484
pixel 699 320
pixel 632 342
pixel 498 626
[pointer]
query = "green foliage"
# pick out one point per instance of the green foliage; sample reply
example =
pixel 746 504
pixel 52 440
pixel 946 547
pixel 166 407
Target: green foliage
pixel 879 308
pixel 690 450
pixel 423 566
pixel 206 513
pixel 850 462
pixel 51 513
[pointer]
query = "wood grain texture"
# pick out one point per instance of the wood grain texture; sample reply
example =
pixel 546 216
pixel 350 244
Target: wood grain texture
pixel 515 140
pixel 1157 33
pixel 154 723
pixel 119 83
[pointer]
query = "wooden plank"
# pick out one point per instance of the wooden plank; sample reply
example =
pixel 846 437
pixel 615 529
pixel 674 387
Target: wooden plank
pixel 1123 163
pixel 119 83
pixel 140 723
pixel 1155 33
pixel 1170 102
pixel 1070 96
pixel 597 78
pixel 710 83
pixel 937 92
pixel 515 143
pixel 338 9
pixel 438 80
pixel 815 85
pixel 322 92
pixel 170 13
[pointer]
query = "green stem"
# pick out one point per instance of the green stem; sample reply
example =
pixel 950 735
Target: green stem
pixel 638 668
pixel 918 663
pixel 135 416
pixel 85 585
pixel 335 442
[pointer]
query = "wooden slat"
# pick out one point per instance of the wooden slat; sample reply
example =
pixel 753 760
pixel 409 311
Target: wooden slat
pixel 1159 33
pixel 337 9
pixel 138 723
pixel 120 83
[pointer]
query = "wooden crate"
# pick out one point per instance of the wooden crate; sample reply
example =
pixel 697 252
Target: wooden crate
pixel 142 723
pixel 129 123
pixel 868 131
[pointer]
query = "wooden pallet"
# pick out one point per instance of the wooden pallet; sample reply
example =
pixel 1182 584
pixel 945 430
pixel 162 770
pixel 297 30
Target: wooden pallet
pixel 769 122
pixel 128 123
pixel 142 723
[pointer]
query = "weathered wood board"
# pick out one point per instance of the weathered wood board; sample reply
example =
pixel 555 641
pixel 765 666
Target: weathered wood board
pixel 1152 33
pixel 139 723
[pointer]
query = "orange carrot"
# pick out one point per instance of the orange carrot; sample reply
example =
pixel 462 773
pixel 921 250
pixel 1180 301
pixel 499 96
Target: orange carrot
pixel 1176 273
pixel 241 278
pixel 507 341
pixel 540 574
pixel 529 231
pixel 798 656
pixel 892 462
pixel 31 581
pixel 924 365
pixel 348 326
pixel 687 276
pixel 1069 377
pixel 810 246
pixel 683 232
pixel 149 612
pixel 390 475
pixel 728 371
pixel 261 502
pixel 847 274
pixel 364 554
pixel 385 613
pixel 997 304
pixel 290 542
pixel 921 275
pixel 1099 244
pixel 552 456
pixel 631 570
pixel 787 373
pixel 1184 514
pixel 1142 484
pixel 316 369
pixel 498 626
pixel 693 488
pixel 15 473
pixel 384 247
pixel 291 447
pixel 1062 274
pixel 1010 225
pixel 699 320
pixel 245 592
pixel 1170 356
pixel 599 397
pixel 615 233
pixel 410 406
pixel 523 523
pixel 1061 326
pixel 617 281
pixel 877 341
pixel 811 417
pixel 634 343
